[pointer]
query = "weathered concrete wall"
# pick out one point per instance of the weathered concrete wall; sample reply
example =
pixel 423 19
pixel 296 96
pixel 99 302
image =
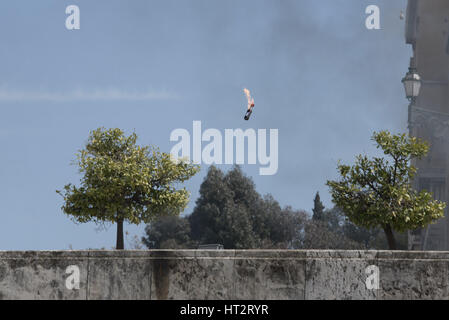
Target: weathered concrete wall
pixel 223 274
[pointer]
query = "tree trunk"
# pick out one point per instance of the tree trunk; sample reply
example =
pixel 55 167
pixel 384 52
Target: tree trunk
pixel 120 243
pixel 390 237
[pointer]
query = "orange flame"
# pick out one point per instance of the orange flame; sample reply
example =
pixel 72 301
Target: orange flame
pixel 249 98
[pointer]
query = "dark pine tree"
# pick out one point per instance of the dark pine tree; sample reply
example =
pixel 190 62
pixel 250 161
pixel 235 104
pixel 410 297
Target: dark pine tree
pixel 318 208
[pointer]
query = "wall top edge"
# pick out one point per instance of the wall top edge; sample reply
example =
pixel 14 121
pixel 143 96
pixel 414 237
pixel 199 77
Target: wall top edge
pixel 226 254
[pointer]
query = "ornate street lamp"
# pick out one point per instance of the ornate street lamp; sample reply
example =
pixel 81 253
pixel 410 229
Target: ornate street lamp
pixel 412 84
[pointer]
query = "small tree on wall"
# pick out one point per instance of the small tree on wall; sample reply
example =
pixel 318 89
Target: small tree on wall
pixel 378 191
pixel 125 182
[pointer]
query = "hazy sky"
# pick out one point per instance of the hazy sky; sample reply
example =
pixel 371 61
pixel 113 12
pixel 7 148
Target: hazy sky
pixel 316 73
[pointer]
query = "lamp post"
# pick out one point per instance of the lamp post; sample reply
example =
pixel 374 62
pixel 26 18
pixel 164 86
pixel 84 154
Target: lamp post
pixel 412 86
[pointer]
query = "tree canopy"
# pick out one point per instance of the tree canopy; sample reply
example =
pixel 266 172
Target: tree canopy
pixel 122 181
pixel 229 211
pixel 378 192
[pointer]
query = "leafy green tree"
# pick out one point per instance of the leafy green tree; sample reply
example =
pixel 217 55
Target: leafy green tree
pixel 168 232
pixel 282 226
pixel 231 212
pixel 318 208
pixel 221 214
pixel 125 182
pixel 378 192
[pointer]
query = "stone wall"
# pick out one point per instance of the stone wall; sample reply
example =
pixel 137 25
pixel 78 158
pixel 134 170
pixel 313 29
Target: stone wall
pixel 223 274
